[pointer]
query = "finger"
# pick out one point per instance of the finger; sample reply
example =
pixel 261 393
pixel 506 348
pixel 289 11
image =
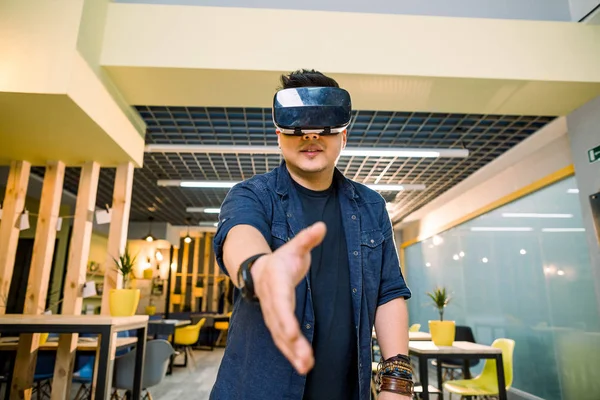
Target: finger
pixel 304 355
pixel 308 238
pixel 282 328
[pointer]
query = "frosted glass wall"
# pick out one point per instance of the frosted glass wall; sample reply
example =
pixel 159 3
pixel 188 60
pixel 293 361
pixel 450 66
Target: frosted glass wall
pixel 521 272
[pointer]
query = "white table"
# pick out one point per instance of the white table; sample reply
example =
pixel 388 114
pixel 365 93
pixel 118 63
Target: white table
pixel 425 350
pixel 413 336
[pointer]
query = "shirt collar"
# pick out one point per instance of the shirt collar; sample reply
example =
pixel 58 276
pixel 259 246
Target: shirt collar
pixel 284 182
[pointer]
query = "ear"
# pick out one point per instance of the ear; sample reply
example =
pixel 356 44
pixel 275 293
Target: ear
pixel 344 138
pixel 278 132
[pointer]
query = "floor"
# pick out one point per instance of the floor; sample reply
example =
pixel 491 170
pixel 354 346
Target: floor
pixel 191 383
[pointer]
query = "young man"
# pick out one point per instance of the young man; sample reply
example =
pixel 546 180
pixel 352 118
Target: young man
pixel 315 258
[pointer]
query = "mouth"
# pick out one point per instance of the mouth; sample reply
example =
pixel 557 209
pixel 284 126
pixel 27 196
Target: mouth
pixel 312 150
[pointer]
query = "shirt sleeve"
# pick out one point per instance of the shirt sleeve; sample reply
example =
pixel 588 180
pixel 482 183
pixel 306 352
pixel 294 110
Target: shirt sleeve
pixel 392 284
pixel 242 206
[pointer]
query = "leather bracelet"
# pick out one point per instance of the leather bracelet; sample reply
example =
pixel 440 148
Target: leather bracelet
pixel 399 386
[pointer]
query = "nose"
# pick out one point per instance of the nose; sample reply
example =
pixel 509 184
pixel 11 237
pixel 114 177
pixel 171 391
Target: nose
pixel 310 136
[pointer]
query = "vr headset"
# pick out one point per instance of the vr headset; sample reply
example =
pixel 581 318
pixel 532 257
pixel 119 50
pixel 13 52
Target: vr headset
pixel 326 110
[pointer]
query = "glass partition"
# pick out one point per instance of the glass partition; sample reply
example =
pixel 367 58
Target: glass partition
pixel 522 272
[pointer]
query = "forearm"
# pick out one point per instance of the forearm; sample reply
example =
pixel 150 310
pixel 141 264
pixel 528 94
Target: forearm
pixel 391 326
pixel 242 242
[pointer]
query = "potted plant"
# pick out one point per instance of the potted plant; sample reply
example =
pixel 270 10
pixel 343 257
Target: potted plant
pixel 442 332
pixel 124 302
pixel 151 308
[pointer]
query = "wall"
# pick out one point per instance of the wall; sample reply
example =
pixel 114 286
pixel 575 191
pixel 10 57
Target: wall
pixel 584 134
pixel 526 278
pixel 547 10
pixel 540 155
pixel 580 8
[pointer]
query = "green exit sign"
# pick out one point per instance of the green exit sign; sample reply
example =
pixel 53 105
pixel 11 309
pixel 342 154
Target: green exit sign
pixel 594 154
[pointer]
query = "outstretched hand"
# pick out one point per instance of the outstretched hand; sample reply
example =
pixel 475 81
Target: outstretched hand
pixel 275 279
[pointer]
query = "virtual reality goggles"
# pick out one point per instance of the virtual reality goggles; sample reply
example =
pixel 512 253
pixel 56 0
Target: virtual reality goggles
pixel 325 110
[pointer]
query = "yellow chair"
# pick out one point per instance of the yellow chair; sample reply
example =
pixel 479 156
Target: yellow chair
pixel 223 328
pixel 188 336
pixel 414 328
pixel 486 383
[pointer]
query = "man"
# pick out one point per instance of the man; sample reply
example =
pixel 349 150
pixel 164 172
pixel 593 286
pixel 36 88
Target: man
pixel 315 258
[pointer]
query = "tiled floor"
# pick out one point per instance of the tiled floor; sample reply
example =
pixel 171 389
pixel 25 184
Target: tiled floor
pixel 191 383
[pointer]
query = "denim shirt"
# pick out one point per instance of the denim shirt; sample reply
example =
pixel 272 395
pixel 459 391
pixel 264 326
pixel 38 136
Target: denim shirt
pixel 252 367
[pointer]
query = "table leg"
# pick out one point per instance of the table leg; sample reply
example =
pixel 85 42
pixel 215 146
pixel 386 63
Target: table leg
pixel 439 378
pixel 501 382
pixel 11 367
pixel 140 351
pixel 423 377
pixel 104 374
pixel 172 359
pixel 466 369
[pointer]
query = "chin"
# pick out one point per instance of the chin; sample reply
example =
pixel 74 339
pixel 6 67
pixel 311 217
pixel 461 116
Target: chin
pixel 310 167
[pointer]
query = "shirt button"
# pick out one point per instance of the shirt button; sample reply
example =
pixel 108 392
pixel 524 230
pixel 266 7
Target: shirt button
pixel 354 217
pixel 355 253
pixel 354 290
pixel 372 241
pixel 307 326
pixel 289 215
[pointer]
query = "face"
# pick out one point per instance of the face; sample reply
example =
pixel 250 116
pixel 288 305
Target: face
pixel 311 153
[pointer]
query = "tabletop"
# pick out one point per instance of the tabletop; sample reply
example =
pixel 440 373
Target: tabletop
pixel 412 335
pixel 176 322
pixel 59 319
pixel 83 344
pixel 422 347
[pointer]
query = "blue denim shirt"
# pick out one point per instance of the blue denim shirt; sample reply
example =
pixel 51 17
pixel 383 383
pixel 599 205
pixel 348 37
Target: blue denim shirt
pixel 252 367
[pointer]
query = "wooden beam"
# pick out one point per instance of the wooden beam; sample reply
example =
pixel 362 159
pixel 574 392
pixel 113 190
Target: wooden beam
pixel 184 272
pixel 39 276
pixel 14 201
pixel 215 296
pixel 205 270
pixel 195 271
pixel 117 235
pixel 79 251
pixel 173 272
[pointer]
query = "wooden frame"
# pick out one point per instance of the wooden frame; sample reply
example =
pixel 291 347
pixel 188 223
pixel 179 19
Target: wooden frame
pixel 14 202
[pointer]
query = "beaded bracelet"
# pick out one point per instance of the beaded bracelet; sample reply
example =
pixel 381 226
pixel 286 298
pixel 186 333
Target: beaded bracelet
pixel 395 375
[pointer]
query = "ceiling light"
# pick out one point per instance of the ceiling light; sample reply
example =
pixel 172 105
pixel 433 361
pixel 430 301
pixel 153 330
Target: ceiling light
pixel 563 230
pixel 403 152
pixel 149 238
pixel 428 265
pixel 500 229
pixel 535 215
pixel 573 191
pixel 206 210
pixel 523 251
pixel 394 188
pixel 230 184
pixel 462 254
pixel 437 240
pixel 158 255
pixel 204 184
pixel 560 272
pixel 484 260
pixel 208 223
pixel 455 257
pixel 187 238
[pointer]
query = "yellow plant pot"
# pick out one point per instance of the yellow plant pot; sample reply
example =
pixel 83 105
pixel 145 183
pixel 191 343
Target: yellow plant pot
pixel 43 338
pixel 150 310
pixel 148 273
pixel 123 302
pixel 442 332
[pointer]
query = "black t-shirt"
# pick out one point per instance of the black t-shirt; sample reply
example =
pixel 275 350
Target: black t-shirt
pixel 335 373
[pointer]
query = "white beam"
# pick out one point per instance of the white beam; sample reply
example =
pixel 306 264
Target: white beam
pixel 402 152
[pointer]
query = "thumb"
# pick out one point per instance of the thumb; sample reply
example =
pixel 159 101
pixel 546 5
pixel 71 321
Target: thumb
pixel 308 238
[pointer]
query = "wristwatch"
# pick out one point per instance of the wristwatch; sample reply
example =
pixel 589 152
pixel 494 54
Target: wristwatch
pixel 245 278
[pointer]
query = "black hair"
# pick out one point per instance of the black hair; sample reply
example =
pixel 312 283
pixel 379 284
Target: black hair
pixel 307 77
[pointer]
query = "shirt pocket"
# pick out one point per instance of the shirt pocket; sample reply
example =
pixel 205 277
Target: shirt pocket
pixel 371 246
pixel 279 235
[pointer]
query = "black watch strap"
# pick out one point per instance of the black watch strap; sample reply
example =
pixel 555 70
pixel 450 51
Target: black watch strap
pixel 245 278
